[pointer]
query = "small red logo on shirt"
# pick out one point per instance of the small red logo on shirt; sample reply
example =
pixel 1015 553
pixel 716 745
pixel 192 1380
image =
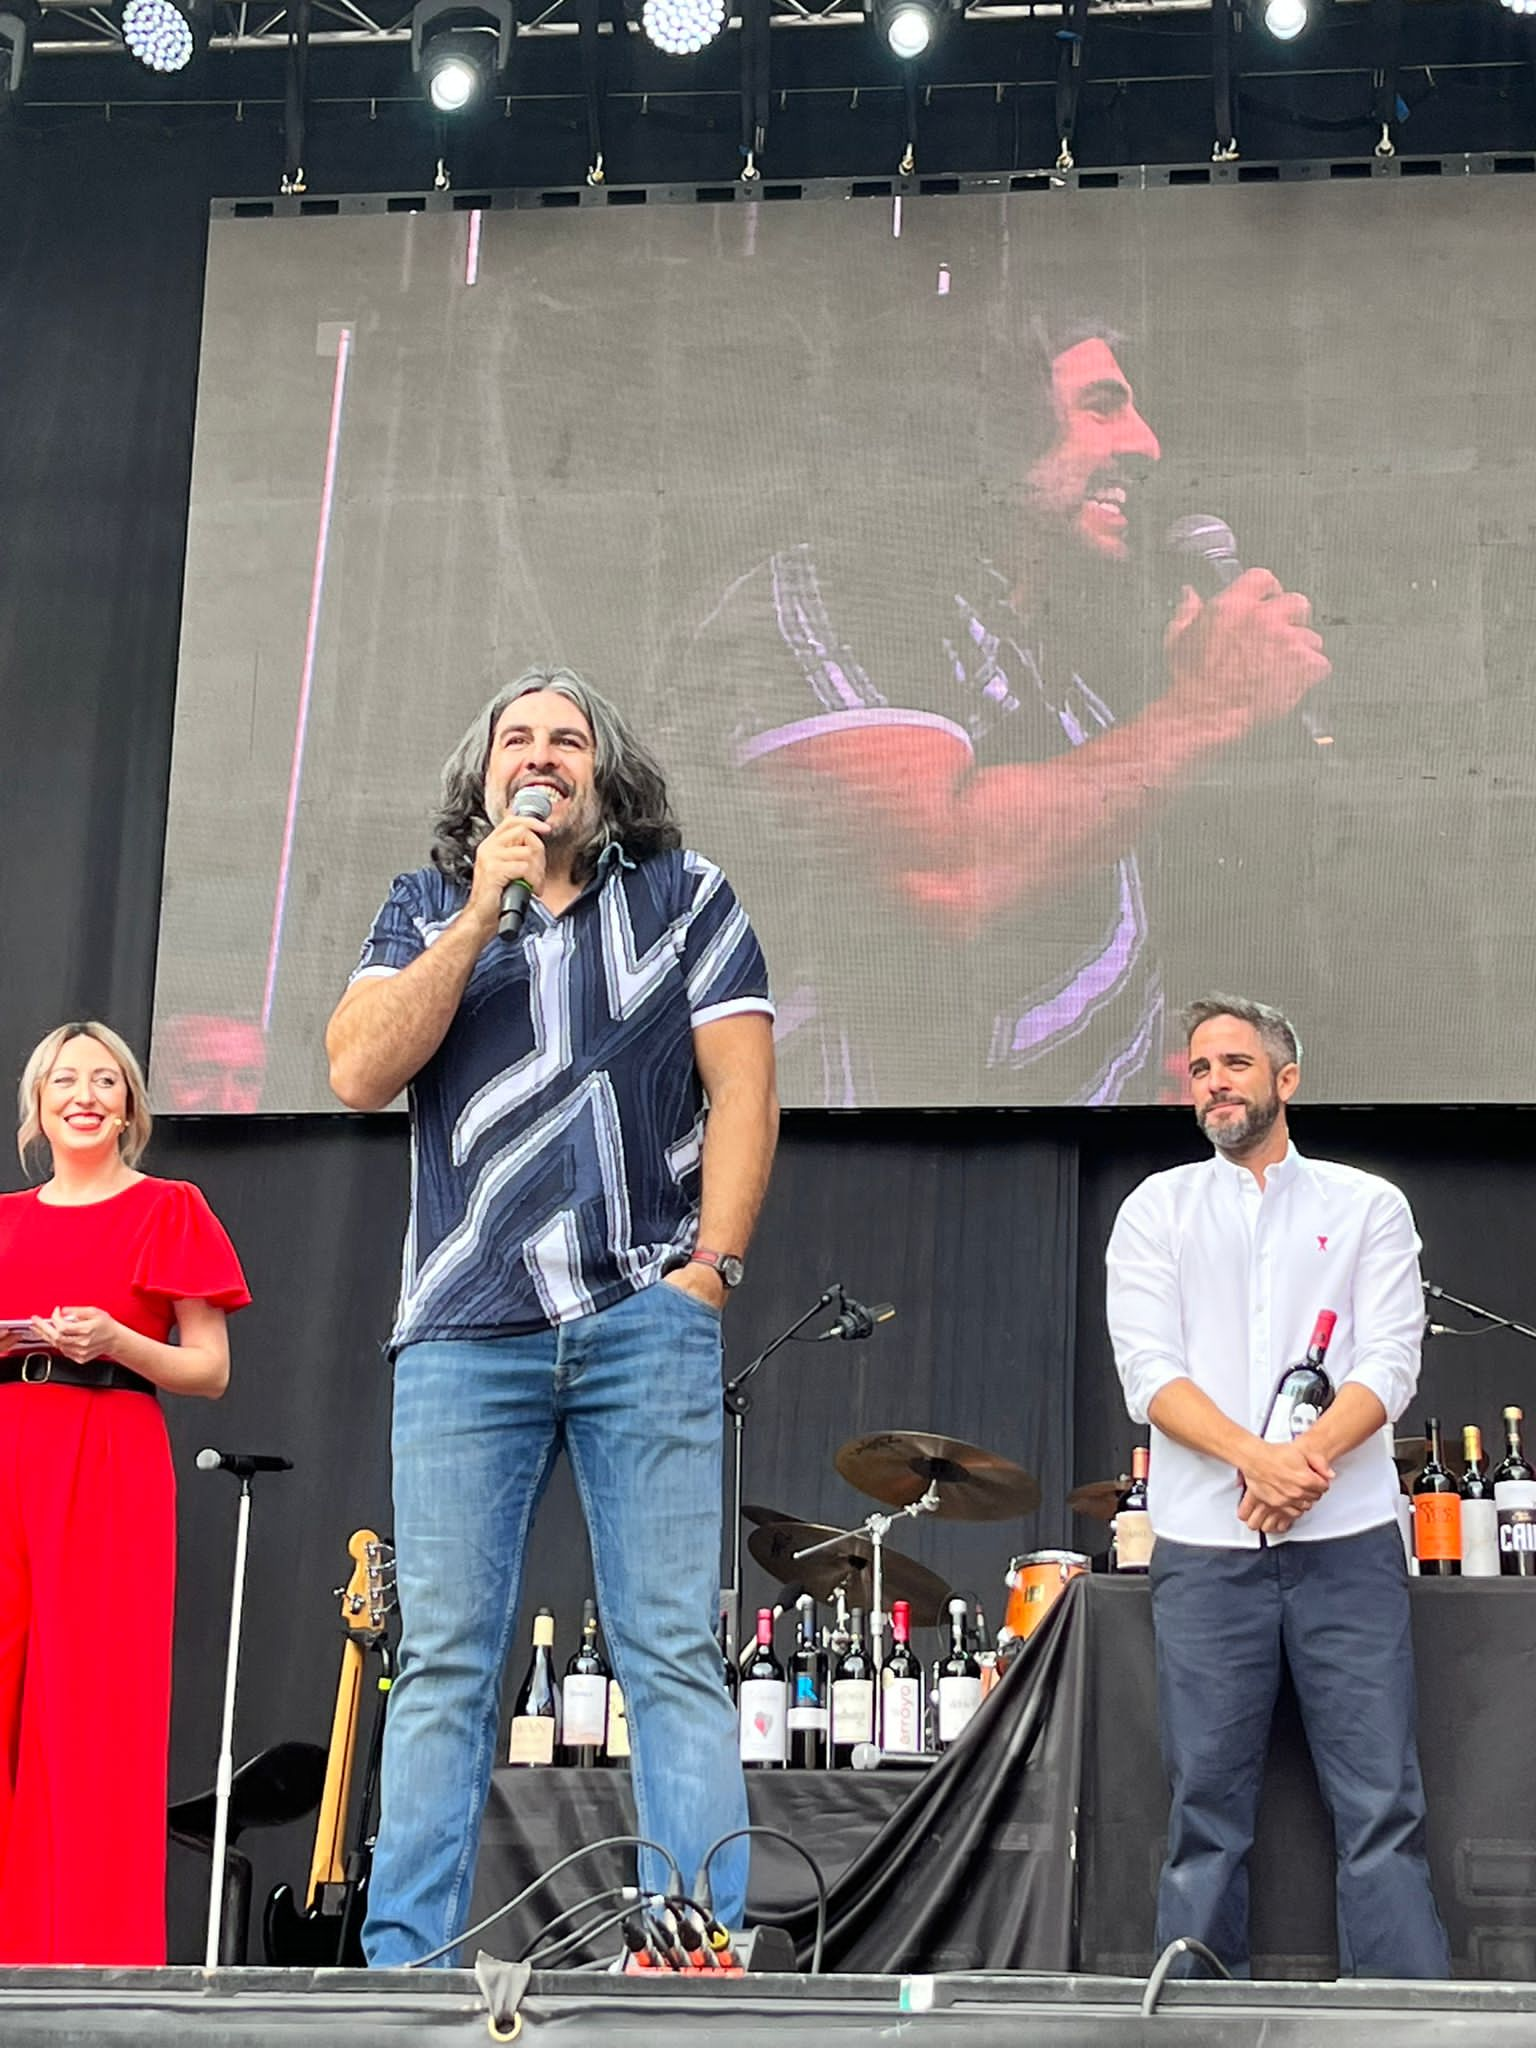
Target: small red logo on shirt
pixel 1322 1244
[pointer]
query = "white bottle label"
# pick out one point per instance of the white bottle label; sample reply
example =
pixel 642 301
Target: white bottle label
pixel 1133 1540
pixel 1514 1493
pixel 901 1716
pixel 618 1722
pixel 584 1700
pixel 1479 1540
pixel 802 1718
pixel 533 1740
pixel 853 1710
pixel 764 1730
pixel 958 1700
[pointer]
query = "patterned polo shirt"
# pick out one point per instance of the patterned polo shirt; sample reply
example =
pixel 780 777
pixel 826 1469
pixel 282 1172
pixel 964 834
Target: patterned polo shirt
pixel 556 1132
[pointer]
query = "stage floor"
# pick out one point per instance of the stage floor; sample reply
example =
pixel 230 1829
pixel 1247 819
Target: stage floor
pixel 301 2009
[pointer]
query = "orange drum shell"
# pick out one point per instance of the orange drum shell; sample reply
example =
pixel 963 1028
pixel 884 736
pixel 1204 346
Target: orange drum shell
pixel 1034 1582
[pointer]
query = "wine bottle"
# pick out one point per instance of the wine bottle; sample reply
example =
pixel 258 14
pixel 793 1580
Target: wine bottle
pixel 1514 1498
pixel 1479 1516
pixel 616 1748
pixel 584 1698
pixel 1133 1524
pixel 764 1705
pixel 808 1717
pixel 727 1661
pixel 901 1689
pixel 536 1709
pixel 957 1681
pixel 987 1659
pixel 1304 1390
pixel 853 1694
pixel 1436 1512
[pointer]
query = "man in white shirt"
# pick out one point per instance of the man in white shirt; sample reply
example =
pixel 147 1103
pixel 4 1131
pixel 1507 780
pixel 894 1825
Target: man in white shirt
pixel 1217 1273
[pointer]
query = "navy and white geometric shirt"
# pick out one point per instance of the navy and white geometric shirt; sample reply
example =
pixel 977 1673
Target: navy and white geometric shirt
pixel 556 1132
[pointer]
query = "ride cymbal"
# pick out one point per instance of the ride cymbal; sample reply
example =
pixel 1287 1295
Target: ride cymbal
pixel 1099 1498
pixel 974 1485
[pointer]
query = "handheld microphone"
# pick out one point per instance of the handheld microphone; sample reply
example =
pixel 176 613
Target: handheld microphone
pixel 1205 541
pixel 532 802
pixel 244 1464
pixel 854 1320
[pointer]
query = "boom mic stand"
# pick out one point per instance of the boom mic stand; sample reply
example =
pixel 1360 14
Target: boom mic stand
pixel 1471 1308
pixel 738 1406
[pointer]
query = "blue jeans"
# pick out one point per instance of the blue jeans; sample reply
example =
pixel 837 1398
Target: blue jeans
pixel 1337 1611
pixel 633 1393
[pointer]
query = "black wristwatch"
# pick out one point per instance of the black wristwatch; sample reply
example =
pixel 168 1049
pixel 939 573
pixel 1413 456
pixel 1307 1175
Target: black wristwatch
pixel 726 1264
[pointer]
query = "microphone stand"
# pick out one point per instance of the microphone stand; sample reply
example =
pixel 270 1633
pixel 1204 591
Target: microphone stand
pixel 877 1527
pixel 224 1777
pixel 1485 1315
pixel 738 1405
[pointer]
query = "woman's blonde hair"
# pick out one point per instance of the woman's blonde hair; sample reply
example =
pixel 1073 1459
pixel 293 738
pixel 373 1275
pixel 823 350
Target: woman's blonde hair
pixel 131 1139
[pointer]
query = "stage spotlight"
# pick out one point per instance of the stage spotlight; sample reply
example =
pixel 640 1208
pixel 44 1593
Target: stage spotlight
pixel 1285 19
pixel 158 34
pixel 460 52
pixel 679 27
pixel 908 26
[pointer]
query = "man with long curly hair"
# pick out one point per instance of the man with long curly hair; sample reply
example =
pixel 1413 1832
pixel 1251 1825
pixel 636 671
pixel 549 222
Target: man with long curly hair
pixel 593 1118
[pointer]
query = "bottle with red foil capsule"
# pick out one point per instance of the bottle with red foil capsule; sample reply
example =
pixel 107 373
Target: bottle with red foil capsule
pixel 1436 1512
pixel 1305 1390
pixel 1132 1525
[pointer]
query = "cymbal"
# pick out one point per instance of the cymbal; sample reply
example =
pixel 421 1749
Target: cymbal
pixel 1099 1498
pixel 974 1485
pixel 761 1516
pixel 1409 1453
pixel 849 1564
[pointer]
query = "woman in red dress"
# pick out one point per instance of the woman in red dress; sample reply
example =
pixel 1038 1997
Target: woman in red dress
pixel 98 1266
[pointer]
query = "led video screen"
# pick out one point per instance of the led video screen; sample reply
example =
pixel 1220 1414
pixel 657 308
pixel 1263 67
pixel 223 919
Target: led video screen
pixel 1045 607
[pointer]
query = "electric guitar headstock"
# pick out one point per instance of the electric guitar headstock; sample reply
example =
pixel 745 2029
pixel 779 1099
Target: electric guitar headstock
pixel 368 1597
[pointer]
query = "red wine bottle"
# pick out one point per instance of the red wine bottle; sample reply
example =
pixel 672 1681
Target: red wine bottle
pixel 584 1698
pixel 1305 1390
pixel 764 1704
pixel 853 1694
pixel 1133 1525
pixel 808 1717
pixel 1514 1496
pixel 1436 1513
pixel 957 1680
pixel 901 1689
pixel 1479 1515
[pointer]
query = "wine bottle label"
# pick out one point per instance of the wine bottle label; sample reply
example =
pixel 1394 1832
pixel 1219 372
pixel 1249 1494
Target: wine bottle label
pixel 584 1699
pixel 1436 1527
pixel 618 1722
pixel 533 1739
pixel 1514 1493
pixel 1133 1540
pixel 1517 1541
pixel 853 1710
pixel 764 1733
pixel 1479 1540
pixel 803 1720
pixel 901 1716
pixel 958 1700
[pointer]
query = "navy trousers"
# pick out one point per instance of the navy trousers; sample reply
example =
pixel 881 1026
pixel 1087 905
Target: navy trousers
pixel 1337 1611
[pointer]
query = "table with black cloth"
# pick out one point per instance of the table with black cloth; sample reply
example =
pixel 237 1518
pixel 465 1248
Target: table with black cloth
pixel 1035 1843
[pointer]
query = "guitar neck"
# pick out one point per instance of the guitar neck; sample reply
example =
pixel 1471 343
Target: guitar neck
pixel 327 1866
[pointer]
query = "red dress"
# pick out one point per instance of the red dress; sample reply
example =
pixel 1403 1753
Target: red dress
pixel 87 1579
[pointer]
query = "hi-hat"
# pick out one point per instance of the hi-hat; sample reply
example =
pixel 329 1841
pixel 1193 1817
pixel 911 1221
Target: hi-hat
pixel 898 1466
pixel 1099 1498
pixel 848 1563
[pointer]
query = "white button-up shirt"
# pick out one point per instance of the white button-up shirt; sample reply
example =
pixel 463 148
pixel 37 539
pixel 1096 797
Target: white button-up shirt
pixel 1214 1279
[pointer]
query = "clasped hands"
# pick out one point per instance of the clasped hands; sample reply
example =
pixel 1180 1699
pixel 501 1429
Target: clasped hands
pixel 1280 1482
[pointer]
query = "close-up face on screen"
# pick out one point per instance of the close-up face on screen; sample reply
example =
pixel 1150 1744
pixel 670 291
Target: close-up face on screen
pixel 1046 608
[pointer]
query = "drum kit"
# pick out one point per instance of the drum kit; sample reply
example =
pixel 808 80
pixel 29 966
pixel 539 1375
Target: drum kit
pixel 917 1473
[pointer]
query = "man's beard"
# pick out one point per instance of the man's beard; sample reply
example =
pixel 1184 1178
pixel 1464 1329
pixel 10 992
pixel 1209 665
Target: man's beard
pixel 1241 1134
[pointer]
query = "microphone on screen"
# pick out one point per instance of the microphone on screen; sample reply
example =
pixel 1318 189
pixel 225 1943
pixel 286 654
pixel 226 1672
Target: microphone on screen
pixel 1203 541
pixel 533 802
pixel 242 1463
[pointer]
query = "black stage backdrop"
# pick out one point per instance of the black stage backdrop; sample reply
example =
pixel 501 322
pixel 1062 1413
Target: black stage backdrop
pixel 986 1230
